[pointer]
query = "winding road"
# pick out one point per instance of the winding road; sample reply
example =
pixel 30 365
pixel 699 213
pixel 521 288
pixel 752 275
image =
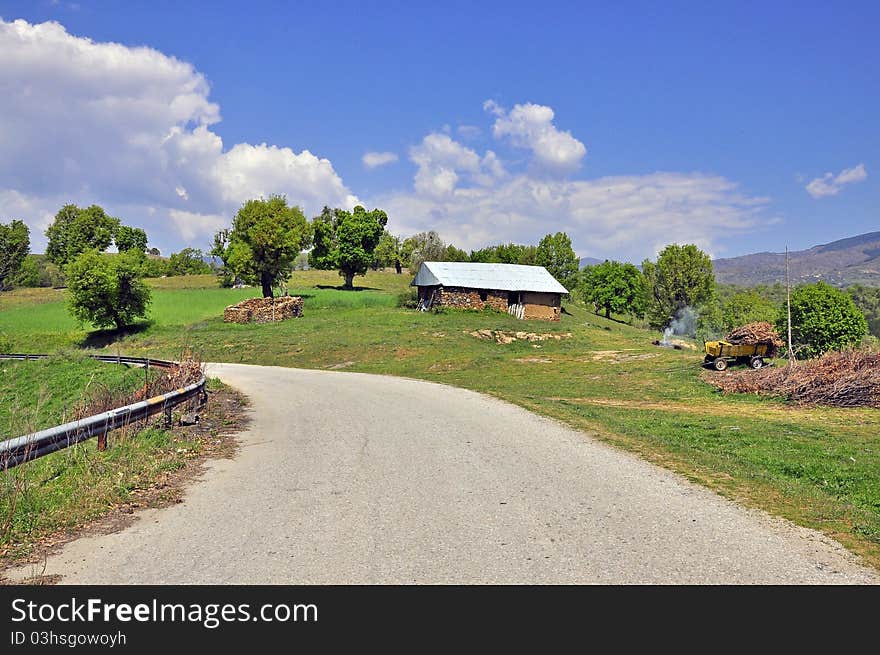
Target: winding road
pixel 352 478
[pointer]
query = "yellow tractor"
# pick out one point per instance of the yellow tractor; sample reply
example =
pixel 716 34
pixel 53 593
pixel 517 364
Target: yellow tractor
pixel 721 353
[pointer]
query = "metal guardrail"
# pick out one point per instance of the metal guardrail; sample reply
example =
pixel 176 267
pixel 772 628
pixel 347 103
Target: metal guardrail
pixel 21 449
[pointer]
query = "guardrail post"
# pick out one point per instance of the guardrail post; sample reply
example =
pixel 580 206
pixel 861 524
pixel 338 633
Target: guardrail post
pixel 102 441
pixel 167 421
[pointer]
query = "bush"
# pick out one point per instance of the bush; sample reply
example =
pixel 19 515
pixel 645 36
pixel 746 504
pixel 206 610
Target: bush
pixel 823 318
pixel 409 298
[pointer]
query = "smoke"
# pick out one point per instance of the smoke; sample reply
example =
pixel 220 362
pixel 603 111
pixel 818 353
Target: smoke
pixel 683 324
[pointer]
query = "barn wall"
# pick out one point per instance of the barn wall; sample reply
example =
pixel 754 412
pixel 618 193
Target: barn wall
pixel 543 306
pixel 463 298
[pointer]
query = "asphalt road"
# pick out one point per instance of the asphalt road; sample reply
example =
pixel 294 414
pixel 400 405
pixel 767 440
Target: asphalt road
pixel 350 478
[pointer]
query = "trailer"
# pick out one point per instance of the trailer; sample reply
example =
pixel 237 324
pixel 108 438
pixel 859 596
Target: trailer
pixel 720 354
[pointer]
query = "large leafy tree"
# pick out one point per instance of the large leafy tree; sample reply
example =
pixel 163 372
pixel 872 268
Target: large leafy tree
pixel 682 277
pixel 265 238
pixel 15 243
pixel 747 306
pixel 424 247
pixel 76 230
pixel 130 238
pixel 822 318
pixel 613 287
pixel 107 291
pixel 346 241
pixel 556 255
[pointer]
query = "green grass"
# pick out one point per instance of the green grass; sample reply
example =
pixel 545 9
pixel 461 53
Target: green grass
pixel 819 467
pixel 39 394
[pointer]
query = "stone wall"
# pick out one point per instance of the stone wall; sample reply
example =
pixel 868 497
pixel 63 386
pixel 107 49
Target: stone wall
pixel 462 298
pixel 264 310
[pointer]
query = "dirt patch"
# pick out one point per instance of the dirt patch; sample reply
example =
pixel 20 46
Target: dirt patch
pixel 617 356
pixel 507 336
pixel 533 360
pixel 336 367
pixel 702 409
pixel 224 416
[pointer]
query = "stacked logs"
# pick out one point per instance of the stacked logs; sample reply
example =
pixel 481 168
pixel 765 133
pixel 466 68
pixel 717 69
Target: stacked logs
pixel 757 333
pixel 840 379
pixel 264 310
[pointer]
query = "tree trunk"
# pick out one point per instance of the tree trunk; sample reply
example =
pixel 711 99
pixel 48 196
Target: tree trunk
pixel 349 280
pixel 607 312
pixel 398 266
pixel 266 283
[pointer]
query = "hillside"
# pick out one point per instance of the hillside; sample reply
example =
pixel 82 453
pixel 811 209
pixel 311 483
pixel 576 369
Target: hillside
pixel 855 260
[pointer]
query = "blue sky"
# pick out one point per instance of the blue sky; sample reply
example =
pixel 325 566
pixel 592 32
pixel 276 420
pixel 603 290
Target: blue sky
pixel 695 122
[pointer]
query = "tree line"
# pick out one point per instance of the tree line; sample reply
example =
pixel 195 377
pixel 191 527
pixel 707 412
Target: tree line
pixel 268 236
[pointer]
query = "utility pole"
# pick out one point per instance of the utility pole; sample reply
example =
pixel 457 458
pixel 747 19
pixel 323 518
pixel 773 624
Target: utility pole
pixel 788 307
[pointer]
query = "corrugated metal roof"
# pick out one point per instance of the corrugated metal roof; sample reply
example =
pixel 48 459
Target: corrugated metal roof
pixel 504 277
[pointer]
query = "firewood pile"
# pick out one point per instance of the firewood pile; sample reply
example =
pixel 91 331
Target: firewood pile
pixel 840 379
pixel 264 310
pixel 757 333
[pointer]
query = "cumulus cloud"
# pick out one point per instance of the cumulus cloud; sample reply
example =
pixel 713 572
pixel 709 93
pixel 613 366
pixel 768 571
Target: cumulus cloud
pixel 531 126
pixel 376 159
pixel 628 217
pixel 442 162
pixel 130 127
pixel 831 184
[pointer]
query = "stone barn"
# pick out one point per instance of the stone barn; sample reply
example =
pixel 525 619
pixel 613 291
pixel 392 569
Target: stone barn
pixel 527 292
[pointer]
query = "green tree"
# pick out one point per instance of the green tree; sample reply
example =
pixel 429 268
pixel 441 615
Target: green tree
pixel 76 230
pixel 822 318
pixel 346 241
pixel 189 261
pixel 682 277
pixel 556 255
pixel 506 253
pixel 28 274
pixel 130 238
pixel 265 238
pixel 389 252
pixel 453 254
pixel 867 299
pixel 747 306
pixel 15 243
pixel 107 291
pixel 613 287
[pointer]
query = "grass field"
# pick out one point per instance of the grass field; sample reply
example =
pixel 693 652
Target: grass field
pixel 819 467
pixel 38 394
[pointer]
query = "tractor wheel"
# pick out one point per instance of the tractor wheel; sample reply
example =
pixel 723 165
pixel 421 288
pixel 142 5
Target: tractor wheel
pixel 756 363
pixel 720 364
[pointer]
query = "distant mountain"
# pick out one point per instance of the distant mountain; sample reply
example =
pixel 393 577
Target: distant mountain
pixel 590 261
pixel 855 260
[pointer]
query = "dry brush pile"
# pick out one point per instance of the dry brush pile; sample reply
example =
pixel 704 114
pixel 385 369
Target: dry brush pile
pixel 840 379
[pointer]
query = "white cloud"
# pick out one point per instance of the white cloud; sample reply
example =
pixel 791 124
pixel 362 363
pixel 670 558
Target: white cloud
pixel 830 184
pixel 376 159
pixel 441 162
pixel 531 126
pixel 130 128
pixel 629 217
